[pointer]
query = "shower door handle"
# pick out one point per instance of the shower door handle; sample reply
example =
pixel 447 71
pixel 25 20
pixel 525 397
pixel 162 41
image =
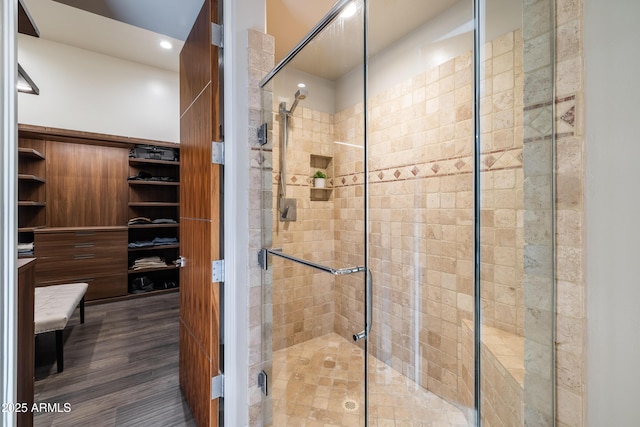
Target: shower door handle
pixel 368 307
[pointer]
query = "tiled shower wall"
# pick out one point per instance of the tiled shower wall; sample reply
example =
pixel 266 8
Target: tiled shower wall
pixel 570 292
pixel 421 214
pixel 303 298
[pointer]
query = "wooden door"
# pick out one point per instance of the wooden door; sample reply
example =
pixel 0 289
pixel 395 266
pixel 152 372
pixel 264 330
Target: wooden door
pixel 200 217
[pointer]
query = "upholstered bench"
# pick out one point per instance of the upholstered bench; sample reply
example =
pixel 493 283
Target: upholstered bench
pixel 53 308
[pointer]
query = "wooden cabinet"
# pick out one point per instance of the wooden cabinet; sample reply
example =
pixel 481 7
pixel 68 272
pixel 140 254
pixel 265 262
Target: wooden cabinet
pixel 94 255
pixel 75 202
pixel 26 346
pixel 86 184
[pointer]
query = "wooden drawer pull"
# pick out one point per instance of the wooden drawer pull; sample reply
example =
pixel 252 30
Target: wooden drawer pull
pixel 84 256
pixel 84 245
pixel 84 233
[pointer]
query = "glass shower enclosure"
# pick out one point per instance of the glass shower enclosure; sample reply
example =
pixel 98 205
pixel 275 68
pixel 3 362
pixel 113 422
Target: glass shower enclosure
pixel 415 286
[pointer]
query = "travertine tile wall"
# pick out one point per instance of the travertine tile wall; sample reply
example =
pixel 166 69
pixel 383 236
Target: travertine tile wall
pixel 570 283
pixel 569 230
pixel 421 214
pixel 303 298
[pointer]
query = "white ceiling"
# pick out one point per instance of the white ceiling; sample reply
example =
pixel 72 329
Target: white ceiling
pixel 335 53
pixel 148 22
pixel 75 27
pixel 173 18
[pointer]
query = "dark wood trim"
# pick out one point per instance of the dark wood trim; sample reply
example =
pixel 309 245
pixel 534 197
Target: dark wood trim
pixel 82 229
pixel 26 24
pixel 91 138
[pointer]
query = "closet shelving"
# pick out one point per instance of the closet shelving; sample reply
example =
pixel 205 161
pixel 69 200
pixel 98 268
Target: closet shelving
pixel 154 200
pixel 31 190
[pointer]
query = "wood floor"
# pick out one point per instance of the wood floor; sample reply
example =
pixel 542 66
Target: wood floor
pixel 120 367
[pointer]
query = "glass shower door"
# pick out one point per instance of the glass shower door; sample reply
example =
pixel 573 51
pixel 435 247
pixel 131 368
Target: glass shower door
pixel 314 264
pixel 421 219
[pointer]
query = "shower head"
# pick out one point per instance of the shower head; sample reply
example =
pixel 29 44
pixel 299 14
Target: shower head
pixel 300 95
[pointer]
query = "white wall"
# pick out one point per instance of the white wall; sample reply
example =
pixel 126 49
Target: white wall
pixel 87 91
pixel 612 214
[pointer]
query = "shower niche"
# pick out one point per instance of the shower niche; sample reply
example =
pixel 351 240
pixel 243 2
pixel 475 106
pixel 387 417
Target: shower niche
pixel 322 164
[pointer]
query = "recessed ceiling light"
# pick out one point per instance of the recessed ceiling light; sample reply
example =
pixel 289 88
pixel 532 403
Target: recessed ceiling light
pixel 349 11
pixel 165 44
pixel 301 85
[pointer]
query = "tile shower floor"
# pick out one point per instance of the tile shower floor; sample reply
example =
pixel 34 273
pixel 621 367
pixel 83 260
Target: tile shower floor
pixel 318 383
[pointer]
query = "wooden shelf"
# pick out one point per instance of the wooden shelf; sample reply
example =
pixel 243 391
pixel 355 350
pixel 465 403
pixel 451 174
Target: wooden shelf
pixel 25 177
pixel 154 226
pixel 153 248
pixel 30 152
pixel 30 229
pixel 141 182
pixel 31 203
pixel 136 161
pixel 146 270
pixel 153 204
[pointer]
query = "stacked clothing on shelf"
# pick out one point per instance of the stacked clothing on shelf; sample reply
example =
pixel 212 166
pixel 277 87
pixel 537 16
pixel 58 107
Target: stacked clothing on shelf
pixel 143 220
pixel 25 248
pixel 146 176
pixel 148 262
pixel 158 241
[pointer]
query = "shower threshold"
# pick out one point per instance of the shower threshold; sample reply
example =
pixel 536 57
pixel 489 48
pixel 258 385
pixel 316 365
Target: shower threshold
pixel 320 383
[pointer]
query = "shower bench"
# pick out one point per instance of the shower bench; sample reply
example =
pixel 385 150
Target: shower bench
pixel 53 307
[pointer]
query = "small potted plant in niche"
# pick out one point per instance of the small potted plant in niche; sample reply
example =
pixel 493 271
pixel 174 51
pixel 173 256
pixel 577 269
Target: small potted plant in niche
pixel 319 179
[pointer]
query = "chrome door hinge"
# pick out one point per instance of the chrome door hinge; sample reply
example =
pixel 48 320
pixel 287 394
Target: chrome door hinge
pixel 262 259
pixel 181 262
pixel 263 383
pixel 217 153
pixel 217 35
pixel 262 134
pixel 217 386
pixel 217 271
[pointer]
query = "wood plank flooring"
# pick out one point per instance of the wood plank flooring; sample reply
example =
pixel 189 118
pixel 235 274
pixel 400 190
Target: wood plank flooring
pixel 120 367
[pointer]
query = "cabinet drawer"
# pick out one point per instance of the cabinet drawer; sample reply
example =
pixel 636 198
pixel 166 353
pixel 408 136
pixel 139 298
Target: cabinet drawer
pixel 49 268
pixel 80 241
pixel 80 251
pixel 99 286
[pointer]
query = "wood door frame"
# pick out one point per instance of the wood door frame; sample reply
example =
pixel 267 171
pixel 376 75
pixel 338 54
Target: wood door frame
pixel 200 217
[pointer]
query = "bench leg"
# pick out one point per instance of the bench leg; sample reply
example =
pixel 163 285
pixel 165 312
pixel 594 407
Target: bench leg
pixel 59 350
pixel 82 310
